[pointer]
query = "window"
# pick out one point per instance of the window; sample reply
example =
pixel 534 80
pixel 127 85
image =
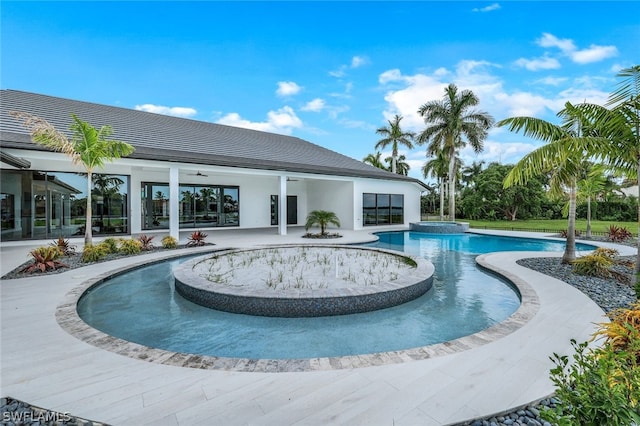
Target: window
pixel 199 206
pixel 382 209
pixel 37 204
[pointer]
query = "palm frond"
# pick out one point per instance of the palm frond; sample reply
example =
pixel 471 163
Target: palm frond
pixel 45 134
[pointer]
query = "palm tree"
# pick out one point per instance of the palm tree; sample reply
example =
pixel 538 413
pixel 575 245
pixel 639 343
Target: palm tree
pixel 620 125
pixel 451 125
pixel 562 158
pixel 402 167
pixel 108 186
pixel 88 146
pixel 437 168
pixel 394 136
pixel 322 218
pixel 590 185
pixel 470 173
pixel 375 160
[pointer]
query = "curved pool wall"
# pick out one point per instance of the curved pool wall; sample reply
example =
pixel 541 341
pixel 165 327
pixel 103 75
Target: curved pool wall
pixel 297 303
pixel 439 227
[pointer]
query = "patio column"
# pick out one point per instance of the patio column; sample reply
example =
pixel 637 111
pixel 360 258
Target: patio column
pixel 174 197
pixel 282 208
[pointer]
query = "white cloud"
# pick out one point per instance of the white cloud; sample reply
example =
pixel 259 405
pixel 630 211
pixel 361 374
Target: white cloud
pixel 287 88
pixel 524 103
pixel 315 105
pixel 549 40
pixel 544 63
pixel 358 61
pixel 552 81
pixel 282 121
pixel 501 152
pixel 491 7
pixel 165 110
pixel 593 53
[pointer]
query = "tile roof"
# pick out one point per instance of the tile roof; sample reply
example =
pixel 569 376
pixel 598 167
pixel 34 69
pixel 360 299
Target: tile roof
pixel 162 137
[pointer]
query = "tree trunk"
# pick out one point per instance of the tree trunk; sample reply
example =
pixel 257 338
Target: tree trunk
pixel 452 188
pixel 570 248
pixel 441 199
pixel 87 226
pixel 637 269
pixel 589 217
pixel 394 165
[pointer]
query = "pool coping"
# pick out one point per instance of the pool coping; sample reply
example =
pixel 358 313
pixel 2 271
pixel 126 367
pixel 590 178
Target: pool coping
pixel 67 317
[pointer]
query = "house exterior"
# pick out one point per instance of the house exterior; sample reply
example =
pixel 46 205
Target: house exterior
pixel 184 174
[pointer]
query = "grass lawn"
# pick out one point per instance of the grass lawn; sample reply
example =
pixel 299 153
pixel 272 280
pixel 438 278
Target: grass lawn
pixel 547 225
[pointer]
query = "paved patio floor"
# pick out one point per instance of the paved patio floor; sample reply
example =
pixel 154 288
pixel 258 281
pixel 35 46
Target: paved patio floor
pixel 45 366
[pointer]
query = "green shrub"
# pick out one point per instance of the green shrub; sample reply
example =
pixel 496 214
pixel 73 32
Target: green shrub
pixel 600 386
pixel 597 264
pixel 169 242
pixel 130 246
pixel 110 244
pixel 92 253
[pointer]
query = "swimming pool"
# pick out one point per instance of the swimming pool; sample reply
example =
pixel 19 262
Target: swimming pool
pixel 141 306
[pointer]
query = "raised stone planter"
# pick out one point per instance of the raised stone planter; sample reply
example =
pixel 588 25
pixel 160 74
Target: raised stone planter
pixel 353 280
pixel 440 227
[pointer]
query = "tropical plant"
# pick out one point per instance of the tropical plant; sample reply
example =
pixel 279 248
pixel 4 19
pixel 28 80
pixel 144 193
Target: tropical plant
pixel 110 245
pixel 451 125
pixel 618 234
pixel 598 387
pixel 44 259
pixel 322 218
pixel 394 135
pixel 91 253
pixel 129 246
pixel 596 264
pixel 562 158
pixel 402 167
pixel 196 239
pixel 145 242
pixel 623 329
pixel 64 246
pixel 87 146
pixel 169 242
pixel 375 160
pixel 470 173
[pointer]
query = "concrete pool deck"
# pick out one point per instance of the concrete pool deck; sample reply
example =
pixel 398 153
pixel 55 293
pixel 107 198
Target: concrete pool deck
pixel 44 365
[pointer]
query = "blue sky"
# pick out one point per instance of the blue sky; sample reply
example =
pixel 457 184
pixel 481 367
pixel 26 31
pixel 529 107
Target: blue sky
pixel 327 72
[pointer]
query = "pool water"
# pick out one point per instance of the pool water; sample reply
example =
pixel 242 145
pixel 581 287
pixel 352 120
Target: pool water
pixel 142 306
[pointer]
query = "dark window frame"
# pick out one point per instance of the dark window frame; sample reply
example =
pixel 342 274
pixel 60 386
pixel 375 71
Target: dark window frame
pixel 377 212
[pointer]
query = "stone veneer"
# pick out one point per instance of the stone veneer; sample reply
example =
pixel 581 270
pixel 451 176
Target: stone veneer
pixel 440 227
pixel 237 298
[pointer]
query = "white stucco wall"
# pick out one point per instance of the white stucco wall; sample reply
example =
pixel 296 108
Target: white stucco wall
pixel 334 196
pixel 410 191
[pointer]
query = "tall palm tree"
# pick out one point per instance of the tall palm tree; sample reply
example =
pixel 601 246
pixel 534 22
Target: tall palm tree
pixel 470 173
pixel 402 167
pixel 88 146
pixel 561 158
pixel 375 160
pixel 438 167
pixel 394 135
pixel 620 125
pixel 322 218
pixel 451 125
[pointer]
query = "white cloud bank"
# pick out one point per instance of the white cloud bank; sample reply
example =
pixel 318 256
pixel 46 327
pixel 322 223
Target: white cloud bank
pixel 281 121
pixel 165 110
pixel 315 105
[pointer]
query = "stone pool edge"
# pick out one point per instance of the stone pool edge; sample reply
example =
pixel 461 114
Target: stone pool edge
pixel 68 319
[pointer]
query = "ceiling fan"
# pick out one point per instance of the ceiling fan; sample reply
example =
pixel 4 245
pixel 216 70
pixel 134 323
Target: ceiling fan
pixel 198 173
